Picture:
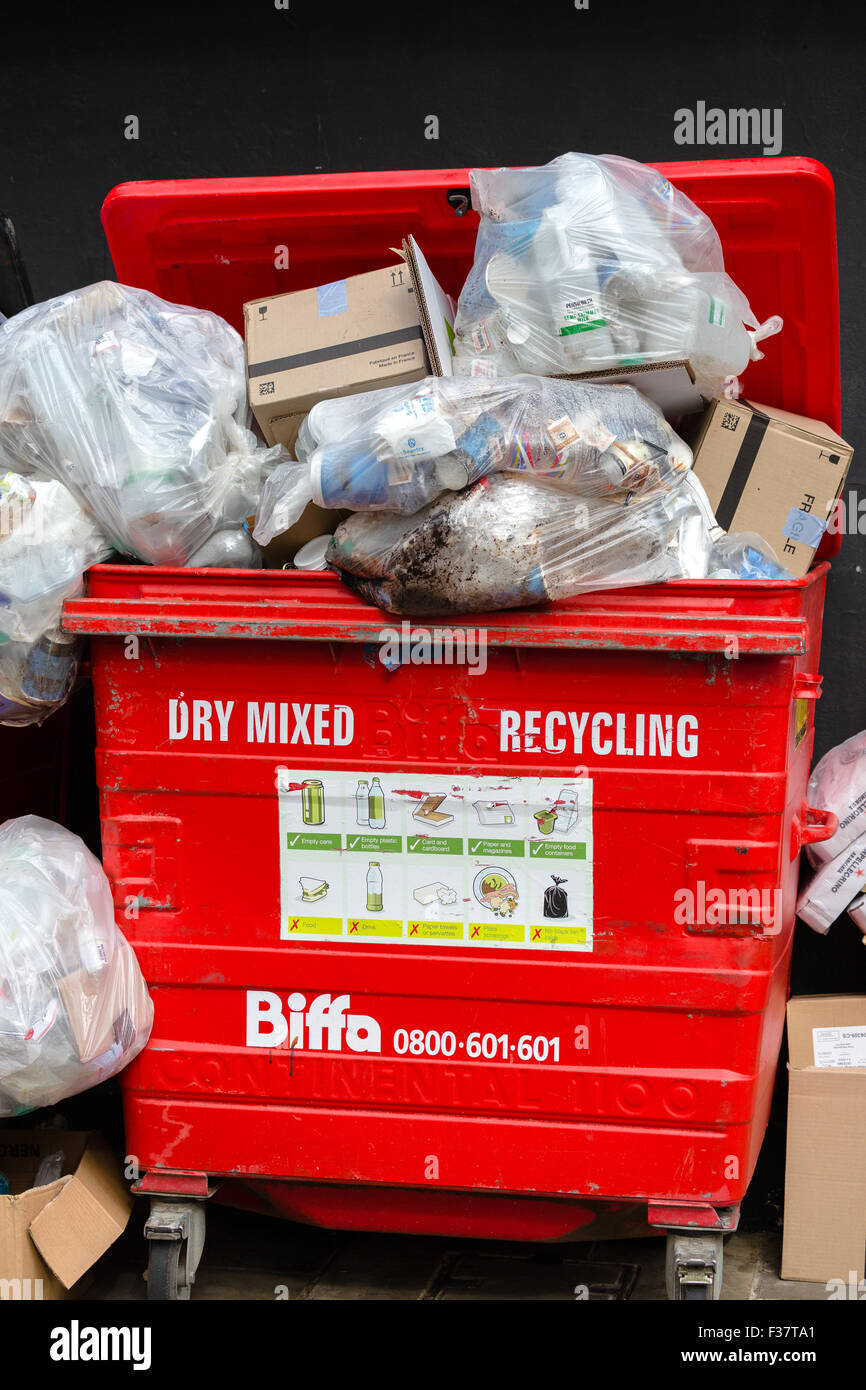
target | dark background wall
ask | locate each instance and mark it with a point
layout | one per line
(249, 89)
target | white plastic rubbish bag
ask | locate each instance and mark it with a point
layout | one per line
(46, 543)
(138, 406)
(590, 262)
(74, 1008)
(400, 448)
(838, 784)
(513, 540)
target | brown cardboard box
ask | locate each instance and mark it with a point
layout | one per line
(50, 1236)
(385, 328)
(669, 385)
(825, 1179)
(777, 474)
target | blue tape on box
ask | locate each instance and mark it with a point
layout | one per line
(804, 527)
(332, 299)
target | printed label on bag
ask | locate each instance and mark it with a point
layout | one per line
(581, 316)
(563, 432)
(424, 860)
(717, 312)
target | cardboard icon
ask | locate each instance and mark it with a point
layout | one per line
(428, 812)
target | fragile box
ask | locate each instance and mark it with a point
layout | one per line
(50, 1236)
(773, 473)
(388, 327)
(825, 1179)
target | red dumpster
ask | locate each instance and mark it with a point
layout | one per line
(442, 948)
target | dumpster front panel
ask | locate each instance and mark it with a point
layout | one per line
(614, 1037)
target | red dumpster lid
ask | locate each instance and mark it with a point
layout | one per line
(217, 243)
(214, 242)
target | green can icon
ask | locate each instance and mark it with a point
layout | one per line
(313, 802)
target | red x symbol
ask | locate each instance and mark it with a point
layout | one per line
(475, 931)
(294, 924)
(413, 931)
(536, 935)
(353, 927)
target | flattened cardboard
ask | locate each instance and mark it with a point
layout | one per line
(773, 473)
(54, 1234)
(435, 309)
(825, 1179)
(669, 385)
(81, 994)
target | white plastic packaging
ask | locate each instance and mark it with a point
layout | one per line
(591, 262)
(139, 407)
(836, 884)
(838, 784)
(46, 543)
(399, 449)
(74, 1008)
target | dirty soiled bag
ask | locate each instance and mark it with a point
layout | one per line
(511, 541)
(400, 448)
(506, 542)
(139, 407)
(47, 541)
(591, 262)
(838, 784)
(74, 1008)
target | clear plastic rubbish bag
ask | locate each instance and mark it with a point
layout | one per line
(74, 1008)
(838, 784)
(138, 406)
(47, 541)
(590, 262)
(400, 448)
(510, 541)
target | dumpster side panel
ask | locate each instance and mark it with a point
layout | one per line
(639, 1069)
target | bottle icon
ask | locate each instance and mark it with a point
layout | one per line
(377, 805)
(362, 802)
(374, 887)
(313, 802)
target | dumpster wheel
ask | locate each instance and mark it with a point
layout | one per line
(693, 1266)
(163, 1263)
(175, 1240)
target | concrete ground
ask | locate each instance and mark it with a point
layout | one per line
(255, 1257)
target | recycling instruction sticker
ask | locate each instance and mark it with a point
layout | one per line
(409, 860)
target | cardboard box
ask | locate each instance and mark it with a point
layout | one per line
(669, 385)
(825, 1180)
(777, 474)
(50, 1236)
(386, 328)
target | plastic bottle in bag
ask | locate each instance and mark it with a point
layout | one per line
(400, 449)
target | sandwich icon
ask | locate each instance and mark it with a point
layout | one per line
(312, 889)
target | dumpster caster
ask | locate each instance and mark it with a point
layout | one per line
(693, 1266)
(175, 1240)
